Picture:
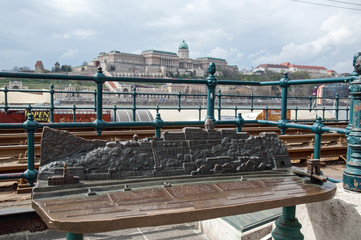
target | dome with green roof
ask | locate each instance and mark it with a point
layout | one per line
(183, 45)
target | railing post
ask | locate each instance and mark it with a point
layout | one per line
(30, 126)
(134, 108)
(95, 100)
(158, 124)
(219, 104)
(115, 112)
(6, 107)
(179, 101)
(239, 122)
(317, 129)
(310, 103)
(252, 101)
(337, 105)
(211, 85)
(99, 78)
(266, 113)
(235, 111)
(287, 225)
(352, 173)
(199, 113)
(347, 114)
(74, 113)
(296, 114)
(29, 110)
(52, 91)
(284, 85)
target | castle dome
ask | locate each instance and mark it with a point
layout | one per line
(183, 45)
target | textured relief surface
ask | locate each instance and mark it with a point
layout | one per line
(193, 151)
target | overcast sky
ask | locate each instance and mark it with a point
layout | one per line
(244, 32)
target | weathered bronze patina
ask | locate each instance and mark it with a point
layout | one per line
(182, 177)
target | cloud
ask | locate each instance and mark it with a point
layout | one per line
(80, 33)
(70, 8)
(245, 33)
(338, 35)
(231, 55)
(69, 54)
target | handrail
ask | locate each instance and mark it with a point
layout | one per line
(30, 125)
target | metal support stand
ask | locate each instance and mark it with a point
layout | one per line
(352, 173)
(74, 236)
(287, 226)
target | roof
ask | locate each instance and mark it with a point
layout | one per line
(38, 63)
(271, 66)
(159, 51)
(211, 58)
(183, 45)
(287, 64)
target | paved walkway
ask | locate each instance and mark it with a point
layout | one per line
(185, 231)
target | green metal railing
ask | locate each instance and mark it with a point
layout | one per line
(211, 83)
(352, 175)
(241, 102)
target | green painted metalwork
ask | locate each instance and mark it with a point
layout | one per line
(99, 123)
(74, 113)
(350, 122)
(211, 82)
(30, 126)
(211, 85)
(6, 107)
(52, 91)
(317, 129)
(158, 124)
(239, 122)
(199, 112)
(287, 226)
(284, 85)
(178, 95)
(337, 106)
(134, 108)
(352, 173)
(74, 236)
(252, 102)
(219, 104)
(115, 113)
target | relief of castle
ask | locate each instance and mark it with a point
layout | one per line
(193, 151)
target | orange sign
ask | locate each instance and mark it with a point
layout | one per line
(273, 115)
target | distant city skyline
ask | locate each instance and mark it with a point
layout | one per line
(246, 33)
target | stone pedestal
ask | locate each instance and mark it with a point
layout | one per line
(338, 218)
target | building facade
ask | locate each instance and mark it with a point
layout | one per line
(314, 71)
(39, 67)
(155, 63)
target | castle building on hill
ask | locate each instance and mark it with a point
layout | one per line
(155, 63)
(314, 71)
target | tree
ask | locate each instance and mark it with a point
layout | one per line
(65, 68)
